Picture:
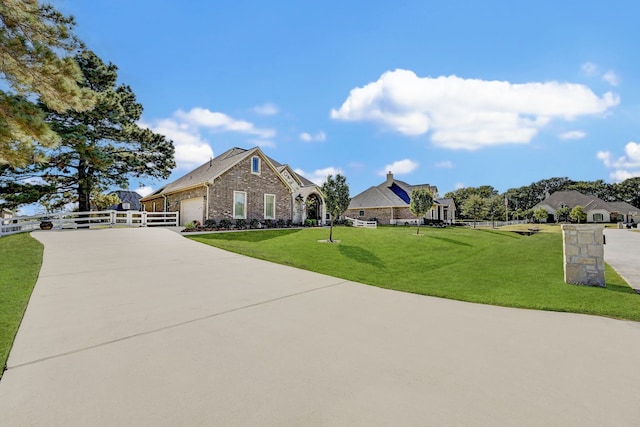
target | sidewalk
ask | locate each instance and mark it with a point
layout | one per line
(142, 327)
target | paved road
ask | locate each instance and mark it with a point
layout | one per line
(622, 252)
(141, 327)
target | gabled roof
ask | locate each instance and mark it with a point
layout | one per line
(390, 193)
(215, 167)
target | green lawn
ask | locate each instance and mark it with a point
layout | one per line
(20, 261)
(485, 266)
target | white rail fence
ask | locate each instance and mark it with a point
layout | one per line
(362, 224)
(93, 219)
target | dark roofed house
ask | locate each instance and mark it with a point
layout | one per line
(240, 184)
(597, 210)
(389, 202)
(129, 201)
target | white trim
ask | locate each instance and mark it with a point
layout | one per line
(265, 206)
(244, 216)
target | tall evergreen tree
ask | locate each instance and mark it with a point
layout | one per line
(35, 44)
(103, 146)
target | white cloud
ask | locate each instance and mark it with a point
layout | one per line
(307, 137)
(267, 109)
(319, 176)
(593, 70)
(144, 191)
(191, 149)
(573, 134)
(611, 77)
(589, 69)
(203, 117)
(399, 167)
(446, 164)
(626, 166)
(186, 128)
(468, 113)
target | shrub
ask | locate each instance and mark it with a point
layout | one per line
(289, 223)
(348, 223)
(254, 223)
(225, 223)
(190, 225)
(268, 223)
(210, 223)
(241, 224)
(280, 223)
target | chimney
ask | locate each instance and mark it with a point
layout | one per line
(389, 179)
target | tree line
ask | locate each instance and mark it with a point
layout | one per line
(68, 128)
(485, 202)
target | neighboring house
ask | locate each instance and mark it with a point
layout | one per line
(240, 184)
(597, 210)
(389, 204)
(129, 201)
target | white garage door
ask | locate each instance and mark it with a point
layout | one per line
(191, 210)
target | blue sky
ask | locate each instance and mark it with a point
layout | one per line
(457, 93)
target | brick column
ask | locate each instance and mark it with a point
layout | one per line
(583, 248)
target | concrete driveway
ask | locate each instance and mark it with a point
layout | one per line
(622, 252)
(142, 327)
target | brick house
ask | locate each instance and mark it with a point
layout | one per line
(239, 184)
(389, 202)
(597, 210)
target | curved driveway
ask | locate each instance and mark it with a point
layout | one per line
(142, 327)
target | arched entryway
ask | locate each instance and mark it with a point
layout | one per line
(314, 207)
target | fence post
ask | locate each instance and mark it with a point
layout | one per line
(60, 215)
(143, 219)
(112, 218)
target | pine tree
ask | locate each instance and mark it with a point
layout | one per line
(103, 146)
(35, 44)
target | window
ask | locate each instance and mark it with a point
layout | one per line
(239, 205)
(269, 206)
(126, 206)
(361, 213)
(255, 165)
(598, 217)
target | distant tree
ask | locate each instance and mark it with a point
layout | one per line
(460, 196)
(563, 213)
(336, 198)
(495, 208)
(475, 207)
(101, 147)
(421, 202)
(578, 214)
(629, 191)
(102, 201)
(35, 43)
(541, 214)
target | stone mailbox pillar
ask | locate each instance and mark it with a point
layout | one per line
(583, 247)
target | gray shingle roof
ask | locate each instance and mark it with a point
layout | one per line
(215, 167)
(383, 195)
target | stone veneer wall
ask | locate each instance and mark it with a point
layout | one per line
(383, 215)
(583, 248)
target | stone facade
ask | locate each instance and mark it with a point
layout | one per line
(382, 215)
(220, 194)
(240, 178)
(583, 248)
